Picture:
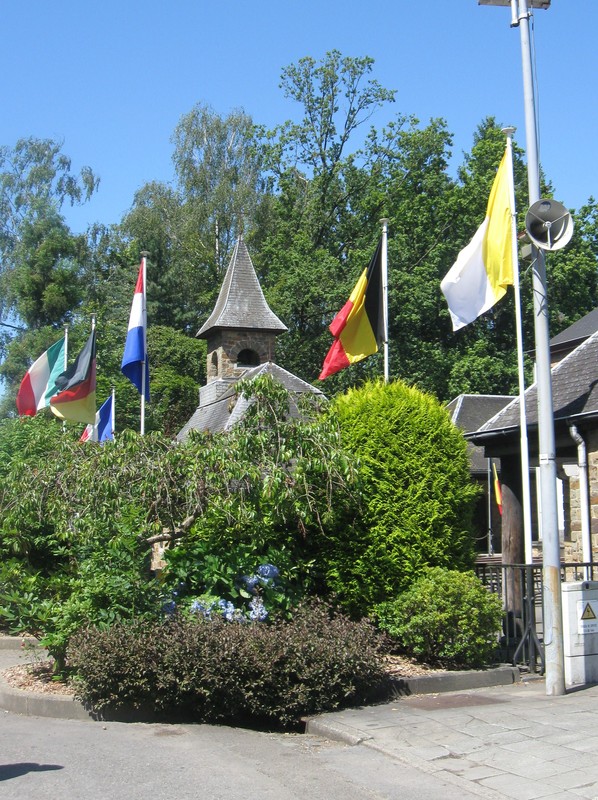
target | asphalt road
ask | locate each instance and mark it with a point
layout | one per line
(80, 760)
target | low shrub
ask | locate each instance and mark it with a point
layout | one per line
(446, 618)
(212, 670)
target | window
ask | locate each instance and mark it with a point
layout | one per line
(248, 358)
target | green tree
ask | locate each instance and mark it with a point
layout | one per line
(416, 493)
(35, 181)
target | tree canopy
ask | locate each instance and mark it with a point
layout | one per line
(308, 196)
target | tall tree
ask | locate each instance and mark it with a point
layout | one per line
(35, 181)
(218, 164)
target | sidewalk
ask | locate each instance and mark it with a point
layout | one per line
(503, 741)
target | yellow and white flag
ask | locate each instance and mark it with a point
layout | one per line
(483, 270)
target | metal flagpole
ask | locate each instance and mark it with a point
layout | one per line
(384, 265)
(530, 636)
(113, 411)
(66, 345)
(525, 485)
(143, 363)
(551, 556)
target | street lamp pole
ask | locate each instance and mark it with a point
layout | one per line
(551, 574)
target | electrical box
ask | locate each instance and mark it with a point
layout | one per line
(580, 632)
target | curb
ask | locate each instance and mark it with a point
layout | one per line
(504, 675)
(16, 642)
(34, 704)
(21, 701)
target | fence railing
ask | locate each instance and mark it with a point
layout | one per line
(520, 586)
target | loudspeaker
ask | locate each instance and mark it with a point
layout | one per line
(549, 225)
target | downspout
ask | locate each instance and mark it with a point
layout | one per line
(584, 498)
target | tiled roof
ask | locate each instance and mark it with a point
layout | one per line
(574, 391)
(580, 330)
(230, 407)
(469, 412)
(241, 303)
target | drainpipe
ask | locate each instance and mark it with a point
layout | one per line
(584, 499)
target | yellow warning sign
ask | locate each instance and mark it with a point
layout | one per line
(588, 612)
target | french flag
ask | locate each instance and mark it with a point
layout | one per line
(135, 355)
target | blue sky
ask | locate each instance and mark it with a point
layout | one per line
(111, 79)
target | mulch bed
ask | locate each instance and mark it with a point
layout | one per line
(39, 676)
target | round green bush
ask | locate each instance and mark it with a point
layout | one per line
(446, 618)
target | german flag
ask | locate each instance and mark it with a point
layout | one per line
(358, 328)
(76, 397)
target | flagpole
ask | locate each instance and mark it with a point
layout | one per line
(113, 411)
(551, 557)
(94, 428)
(384, 265)
(524, 447)
(66, 345)
(144, 255)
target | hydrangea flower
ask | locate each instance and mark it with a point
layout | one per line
(257, 610)
(268, 571)
(250, 581)
(228, 610)
(197, 607)
(169, 607)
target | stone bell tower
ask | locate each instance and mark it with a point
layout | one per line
(241, 336)
(241, 331)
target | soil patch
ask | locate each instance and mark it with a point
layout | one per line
(39, 677)
(36, 678)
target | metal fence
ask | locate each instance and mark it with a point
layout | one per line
(520, 586)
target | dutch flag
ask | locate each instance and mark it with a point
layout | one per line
(135, 355)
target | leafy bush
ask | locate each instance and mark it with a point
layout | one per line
(211, 670)
(75, 519)
(447, 618)
(416, 491)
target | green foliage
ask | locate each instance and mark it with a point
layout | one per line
(417, 495)
(446, 617)
(215, 671)
(78, 517)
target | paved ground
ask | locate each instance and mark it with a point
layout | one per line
(509, 741)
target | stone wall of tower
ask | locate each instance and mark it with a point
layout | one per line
(225, 345)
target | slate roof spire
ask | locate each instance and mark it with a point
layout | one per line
(241, 304)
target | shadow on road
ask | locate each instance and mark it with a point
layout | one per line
(8, 771)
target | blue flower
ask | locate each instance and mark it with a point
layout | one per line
(257, 610)
(169, 607)
(268, 571)
(197, 607)
(250, 581)
(228, 610)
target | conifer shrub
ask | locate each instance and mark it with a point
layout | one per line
(212, 670)
(417, 497)
(446, 618)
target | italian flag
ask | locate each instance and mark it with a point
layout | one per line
(359, 326)
(39, 383)
(75, 399)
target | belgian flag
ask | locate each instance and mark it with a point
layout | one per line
(358, 328)
(76, 397)
(497, 490)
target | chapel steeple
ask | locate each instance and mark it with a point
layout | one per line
(241, 331)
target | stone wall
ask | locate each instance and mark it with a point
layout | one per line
(224, 348)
